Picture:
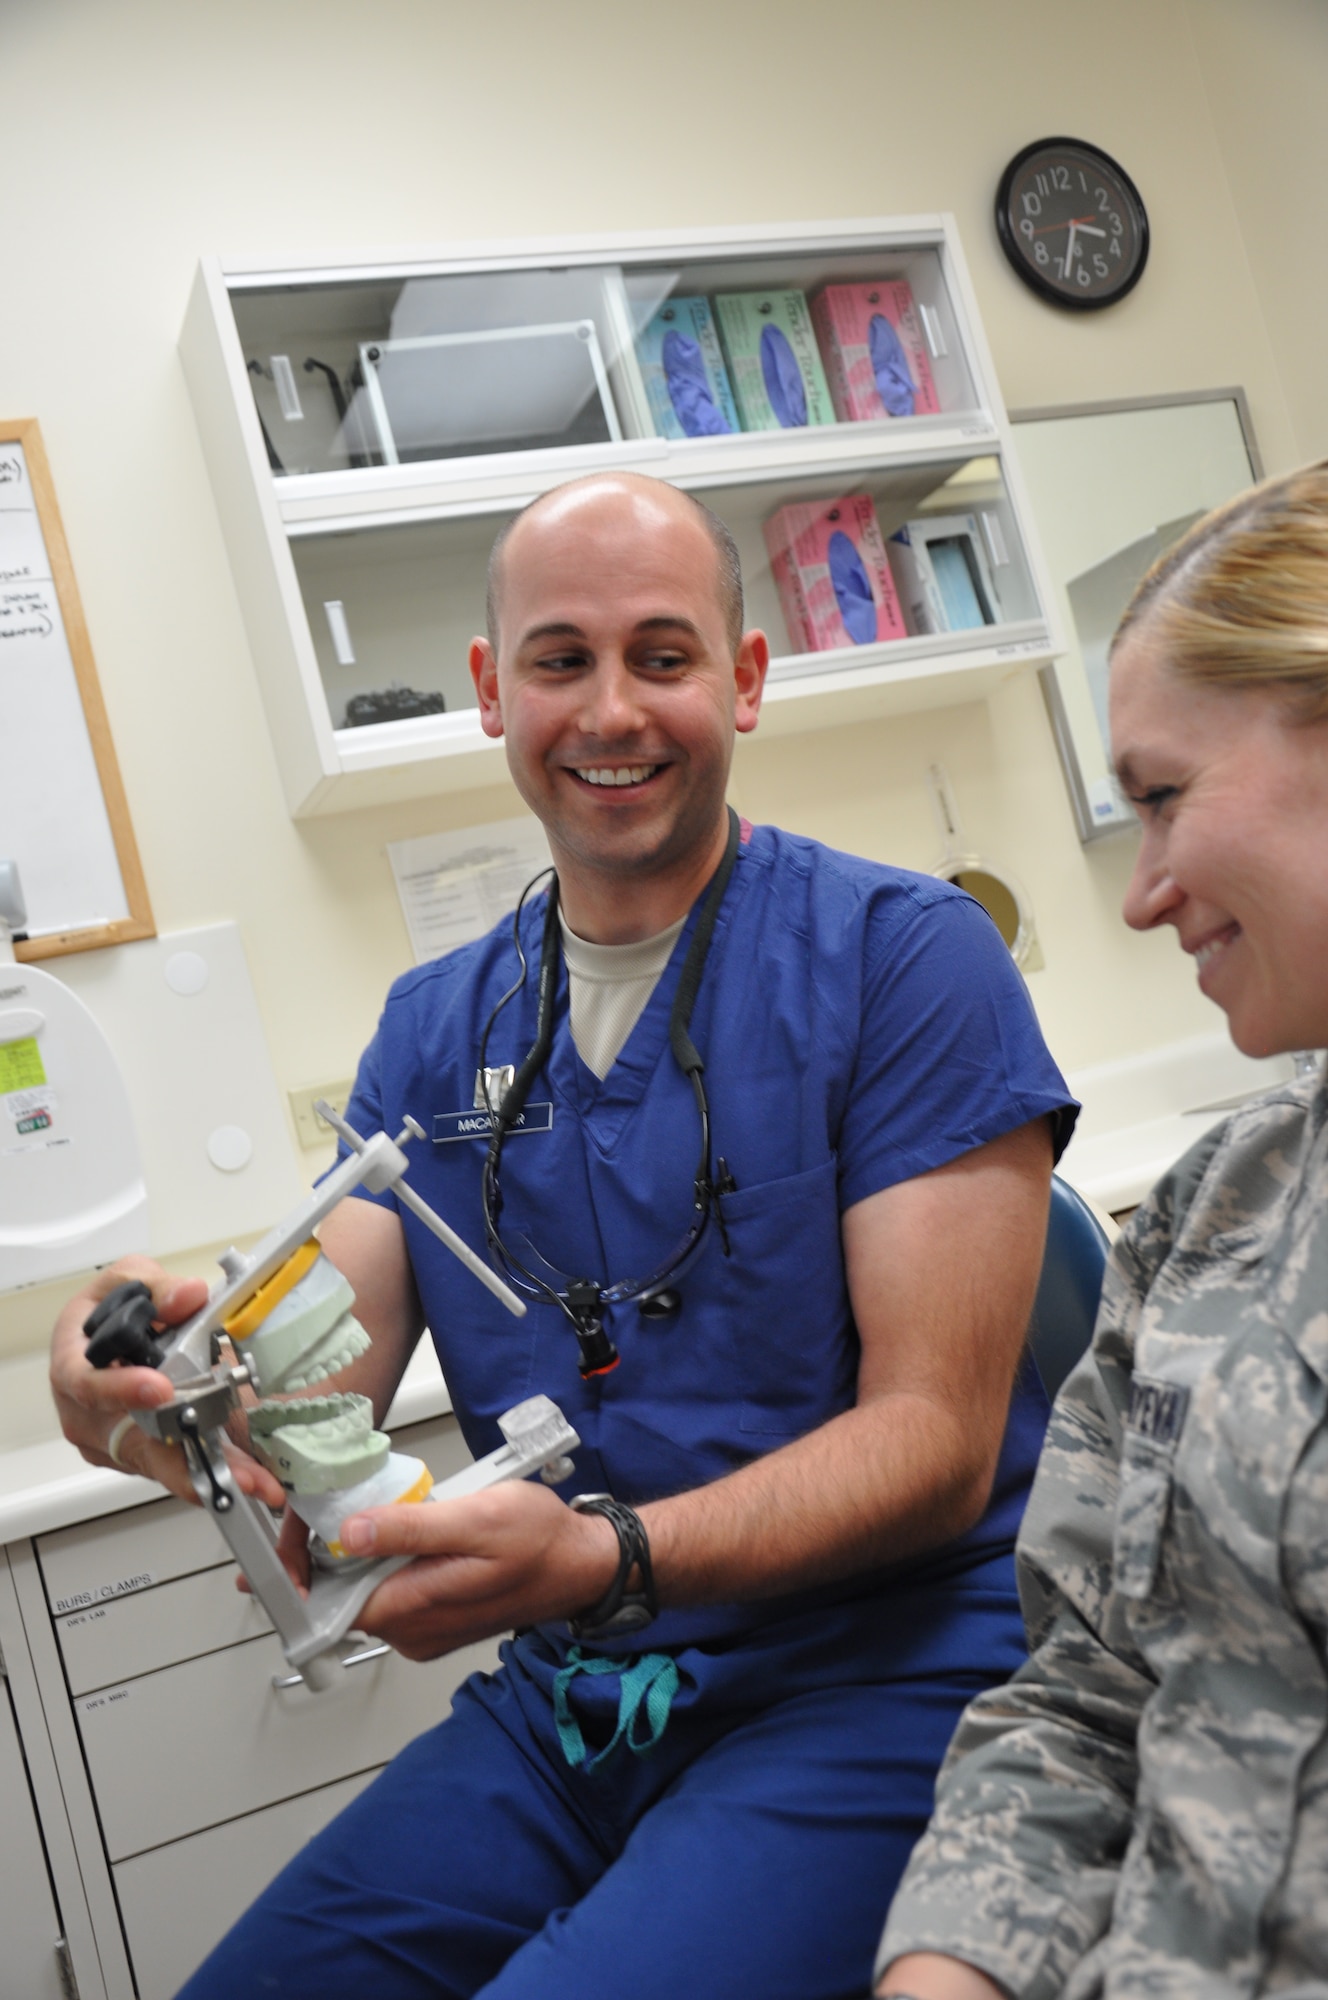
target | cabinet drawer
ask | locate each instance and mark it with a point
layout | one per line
(179, 1901)
(100, 1562)
(173, 1752)
(156, 1628)
(156, 1625)
(97, 1562)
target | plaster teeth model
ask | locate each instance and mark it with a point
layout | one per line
(298, 1329)
(320, 1444)
(333, 1463)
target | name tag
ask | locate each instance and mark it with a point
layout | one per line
(1157, 1411)
(451, 1125)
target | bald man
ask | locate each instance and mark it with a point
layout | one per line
(776, 1189)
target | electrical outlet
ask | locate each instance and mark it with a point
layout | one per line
(313, 1130)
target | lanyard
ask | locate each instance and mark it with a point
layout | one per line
(583, 1300)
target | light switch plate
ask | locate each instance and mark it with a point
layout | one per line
(311, 1128)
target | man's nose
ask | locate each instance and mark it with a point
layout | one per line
(1152, 895)
(611, 709)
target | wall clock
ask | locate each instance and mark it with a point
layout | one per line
(1072, 223)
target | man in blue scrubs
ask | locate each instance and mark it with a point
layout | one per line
(811, 1431)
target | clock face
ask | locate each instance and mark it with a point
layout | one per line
(1072, 223)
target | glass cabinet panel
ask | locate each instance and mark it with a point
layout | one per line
(436, 366)
(834, 570)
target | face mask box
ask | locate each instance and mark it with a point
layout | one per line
(774, 362)
(874, 352)
(830, 567)
(942, 574)
(685, 377)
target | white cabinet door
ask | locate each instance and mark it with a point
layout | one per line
(29, 1921)
(179, 1901)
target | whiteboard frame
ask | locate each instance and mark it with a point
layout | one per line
(26, 431)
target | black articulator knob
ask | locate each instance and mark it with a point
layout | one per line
(120, 1329)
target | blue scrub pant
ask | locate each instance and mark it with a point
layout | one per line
(754, 1849)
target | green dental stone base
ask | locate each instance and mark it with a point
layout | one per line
(319, 1444)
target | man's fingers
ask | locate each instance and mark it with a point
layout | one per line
(113, 1389)
(421, 1529)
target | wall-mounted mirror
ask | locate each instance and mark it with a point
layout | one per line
(1112, 485)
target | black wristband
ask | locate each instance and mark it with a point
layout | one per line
(620, 1609)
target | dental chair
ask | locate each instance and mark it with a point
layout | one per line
(1065, 1308)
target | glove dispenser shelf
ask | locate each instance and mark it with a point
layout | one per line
(368, 429)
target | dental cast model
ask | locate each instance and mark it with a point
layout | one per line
(286, 1312)
(333, 1463)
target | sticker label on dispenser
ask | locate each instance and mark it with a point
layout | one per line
(21, 1066)
(30, 1119)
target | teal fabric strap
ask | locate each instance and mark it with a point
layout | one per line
(646, 1689)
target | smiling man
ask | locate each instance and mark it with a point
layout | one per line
(778, 1201)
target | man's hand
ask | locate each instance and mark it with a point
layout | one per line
(91, 1401)
(513, 1555)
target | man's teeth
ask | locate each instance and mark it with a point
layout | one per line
(622, 774)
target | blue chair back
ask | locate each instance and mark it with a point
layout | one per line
(1068, 1290)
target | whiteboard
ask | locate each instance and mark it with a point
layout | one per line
(63, 815)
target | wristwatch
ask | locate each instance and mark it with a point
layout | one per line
(620, 1610)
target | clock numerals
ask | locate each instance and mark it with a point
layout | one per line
(1072, 223)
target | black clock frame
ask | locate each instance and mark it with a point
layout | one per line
(1009, 239)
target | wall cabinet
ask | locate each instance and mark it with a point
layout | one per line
(172, 1774)
(368, 429)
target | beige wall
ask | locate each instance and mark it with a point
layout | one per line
(1264, 64)
(139, 133)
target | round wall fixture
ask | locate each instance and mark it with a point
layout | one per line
(186, 972)
(1000, 896)
(230, 1148)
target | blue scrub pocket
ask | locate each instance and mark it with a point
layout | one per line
(894, 384)
(689, 387)
(783, 378)
(853, 593)
(784, 1303)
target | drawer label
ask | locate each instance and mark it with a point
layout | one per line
(83, 1618)
(83, 1599)
(106, 1699)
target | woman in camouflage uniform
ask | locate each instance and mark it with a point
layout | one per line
(1144, 1809)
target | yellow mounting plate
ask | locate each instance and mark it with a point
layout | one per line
(255, 1310)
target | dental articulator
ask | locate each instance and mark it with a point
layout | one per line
(286, 1313)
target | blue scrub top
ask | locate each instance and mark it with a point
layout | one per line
(859, 1025)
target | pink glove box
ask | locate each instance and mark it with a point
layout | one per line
(875, 358)
(834, 581)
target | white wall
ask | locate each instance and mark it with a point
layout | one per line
(140, 133)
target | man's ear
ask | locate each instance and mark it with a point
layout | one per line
(749, 670)
(484, 673)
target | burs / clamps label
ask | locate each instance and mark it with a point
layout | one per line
(123, 1586)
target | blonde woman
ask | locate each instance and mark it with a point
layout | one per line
(1144, 1809)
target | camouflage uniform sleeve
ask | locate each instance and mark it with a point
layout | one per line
(1035, 1801)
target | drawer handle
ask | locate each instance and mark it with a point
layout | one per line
(352, 1660)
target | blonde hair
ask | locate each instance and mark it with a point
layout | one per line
(1241, 601)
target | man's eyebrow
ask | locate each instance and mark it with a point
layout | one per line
(1126, 777)
(674, 623)
(551, 631)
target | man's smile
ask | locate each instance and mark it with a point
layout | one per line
(615, 774)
